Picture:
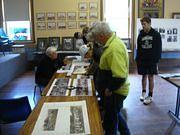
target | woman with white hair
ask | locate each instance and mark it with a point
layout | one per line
(113, 76)
(47, 67)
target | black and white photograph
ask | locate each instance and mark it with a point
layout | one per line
(93, 15)
(162, 30)
(83, 15)
(77, 44)
(93, 6)
(83, 24)
(51, 25)
(67, 43)
(61, 15)
(41, 25)
(42, 44)
(51, 16)
(40, 16)
(54, 41)
(61, 25)
(175, 31)
(71, 25)
(83, 6)
(71, 15)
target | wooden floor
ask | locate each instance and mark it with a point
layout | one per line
(142, 120)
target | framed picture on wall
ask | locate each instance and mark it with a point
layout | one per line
(40, 16)
(93, 6)
(51, 25)
(61, 25)
(41, 25)
(151, 8)
(93, 15)
(72, 25)
(61, 15)
(82, 6)
(176, 15)
(71, 15)
(126, 42)
(83, 15)
(42, 44)
(51, 16)
(67, 43)
(82, 24)
(54, 41)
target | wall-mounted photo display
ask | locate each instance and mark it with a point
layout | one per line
(54, 41)
(41, 25)
(72, 25)
(61, 15)
(83, 6)
(51, 16)
(83, 24)
(126, 42)
(83, 15)
(67, 43)
(176, 15)
(71, 15)
(51, 25)
(93, 15)
(61, 25)
(40, 16)
(93, 6)
(42, 44)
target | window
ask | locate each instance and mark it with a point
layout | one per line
(17, 20)
(117, 14)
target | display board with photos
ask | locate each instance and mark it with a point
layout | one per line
(170, 33)
(42, 44)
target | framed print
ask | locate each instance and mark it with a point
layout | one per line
(61, 25)
(51, 16)
(67, 43)
(51, 25)
(54, 41)
(78, 43)
(83, 15)
(72, 25)
(61, 15)
(126, 42)
(176, 15)
(71, 15)
(83, 24)
(40, 16)
(42, 44)
(41, 25)
(82, 6)
(93, 15)
(151, 8)
(93, 6)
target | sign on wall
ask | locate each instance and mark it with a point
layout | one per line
(169, 30)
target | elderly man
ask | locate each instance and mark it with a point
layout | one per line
(113, 76)
(47, 67)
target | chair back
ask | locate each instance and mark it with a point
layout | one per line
(14, 110)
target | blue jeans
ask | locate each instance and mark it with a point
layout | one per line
(113, 119)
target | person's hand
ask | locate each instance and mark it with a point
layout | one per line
(107, 92)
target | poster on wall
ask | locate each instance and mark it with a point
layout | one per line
(170, 33)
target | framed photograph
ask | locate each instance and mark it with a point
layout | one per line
(78, 43)
(152, 8)
(54, 41)
(61, 15)
(71, 15)
(127, 42)
(41, 25)
(72, 25)
(83, 15)
(67, 43)
(51, 16)
(93, 15)
(51, 25)
(176, 15)
(61, 25)
(42, 44)
(83, 24)
(93, 6)
(40, 16)
(82, 6)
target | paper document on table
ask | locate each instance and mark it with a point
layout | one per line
(63, 118)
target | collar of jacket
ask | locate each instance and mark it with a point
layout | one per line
(110, 40)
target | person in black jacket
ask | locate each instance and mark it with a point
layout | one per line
(149, 48)
(47, 67)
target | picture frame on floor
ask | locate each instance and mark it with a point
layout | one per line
(42, 44)
(54, 41)
(67, 43)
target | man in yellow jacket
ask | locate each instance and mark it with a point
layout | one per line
(113, 76)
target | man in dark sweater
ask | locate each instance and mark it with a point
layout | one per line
(149, 48)
(47, 67)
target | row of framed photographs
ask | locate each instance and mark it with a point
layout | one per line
(68, 43)
(62, 25)
(51, 16)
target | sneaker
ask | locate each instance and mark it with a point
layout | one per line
(142, 97)
(147, 100)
